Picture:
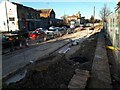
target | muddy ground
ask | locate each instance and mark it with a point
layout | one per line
(55, 71)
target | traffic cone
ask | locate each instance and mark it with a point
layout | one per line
(27, 45)
(45, 39)
(21, 45)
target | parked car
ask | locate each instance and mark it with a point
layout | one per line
(42, 29)
(61, 31)
(49, 34)
(83, 28)
(57, 31)
(54, 31)
(70, 30)
(37, 34)
(64, 30)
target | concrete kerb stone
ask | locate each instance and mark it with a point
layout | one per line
(100, 74)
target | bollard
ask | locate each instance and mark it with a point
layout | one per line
(27, 45)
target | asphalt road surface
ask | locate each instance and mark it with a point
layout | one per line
(17, 60)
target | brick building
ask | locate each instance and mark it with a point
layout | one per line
(31, 19)
(47, 13)
(73, 18)
(50, 15)
(19, 17)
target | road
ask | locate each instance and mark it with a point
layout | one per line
(17, 60)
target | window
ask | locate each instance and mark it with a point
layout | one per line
(11, 19)
(4, 23)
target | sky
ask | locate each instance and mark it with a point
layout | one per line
(70, 7)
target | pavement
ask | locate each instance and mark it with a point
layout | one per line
(100, 74)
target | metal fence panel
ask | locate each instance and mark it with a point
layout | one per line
(113, 31)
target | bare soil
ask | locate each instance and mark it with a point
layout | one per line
(55, 71)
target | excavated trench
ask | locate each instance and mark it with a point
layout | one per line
(115, 75)
(56, 71)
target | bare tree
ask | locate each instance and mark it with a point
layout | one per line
(104, 13)
(92, 19)
(64, 17)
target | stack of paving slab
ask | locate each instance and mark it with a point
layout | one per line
(79, 80)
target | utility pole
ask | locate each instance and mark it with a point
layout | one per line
(94, 16)
(47, 15)
(64, 17)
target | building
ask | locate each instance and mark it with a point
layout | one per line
(71, 18)
(56, 22)
(28, 18)
(82, 20)
(8, 18)
(18, 17)
(47, 13)
(75, 17)
(50, 15)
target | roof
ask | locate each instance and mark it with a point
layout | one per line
(17, 3)
(21, 5)
(45, 10)
(118, 6)
(71, 16)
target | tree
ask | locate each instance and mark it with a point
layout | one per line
(64, 17)
(104, 12)
(92, 19)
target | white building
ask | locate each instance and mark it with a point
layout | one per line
(8, 17)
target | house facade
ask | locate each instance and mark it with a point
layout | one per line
(8, 18)
(31, 19)
(75, 17)
(18, 17)
(56, 22)
(50, 15)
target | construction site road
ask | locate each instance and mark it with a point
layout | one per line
(17, 60)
